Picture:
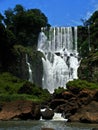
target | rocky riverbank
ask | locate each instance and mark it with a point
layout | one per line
(19, 110)
(76, 104)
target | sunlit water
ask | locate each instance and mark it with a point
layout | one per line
(61, 61)
(38, 125)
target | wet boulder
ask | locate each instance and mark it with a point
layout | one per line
(47, 114)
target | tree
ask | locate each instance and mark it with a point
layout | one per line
(8, 19)
(1, 18)
(89, 38)
(25, 24)
(7, 40)
(93, 18)
(18, 26)
(18, 9)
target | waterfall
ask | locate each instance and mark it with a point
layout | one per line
(29, 68)
(61, 56)
(89, 47)
(75, 34)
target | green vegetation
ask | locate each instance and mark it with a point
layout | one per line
(88, 35)
(82, 84)
(88, 49)
(9, 84)
(19, 26)
(25, 24)
(59, 90)
(92, 57)
(88, 69)
(19, 30)
(13, 88)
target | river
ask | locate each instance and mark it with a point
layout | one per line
(38, 125)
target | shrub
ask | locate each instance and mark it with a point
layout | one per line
(59, 90)
(82, 84)
(9, 84)
(13, 88)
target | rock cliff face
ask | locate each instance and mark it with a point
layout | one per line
(19, 67)
(77, 107)
(37, 67)
(88, 69)
(17, 110)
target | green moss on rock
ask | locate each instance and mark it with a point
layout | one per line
(88, 69)
(81, 84)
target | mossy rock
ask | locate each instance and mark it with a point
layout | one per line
(77, 85)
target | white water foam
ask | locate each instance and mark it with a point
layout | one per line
(61, 56)
(29, 69)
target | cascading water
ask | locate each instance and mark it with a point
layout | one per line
(29, 68)
(61, 56)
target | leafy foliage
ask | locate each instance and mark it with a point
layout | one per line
(21, 27)
(13, 88)
(59, 90)
(7, 41)
(88, 35)
(82, 84)
(25, 24)
(92, 19)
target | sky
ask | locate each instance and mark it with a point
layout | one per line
(58, 12)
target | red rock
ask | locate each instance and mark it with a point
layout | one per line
(86, 114)
(47, 129)
(56, 102)
(20, 110)
(67, 95)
